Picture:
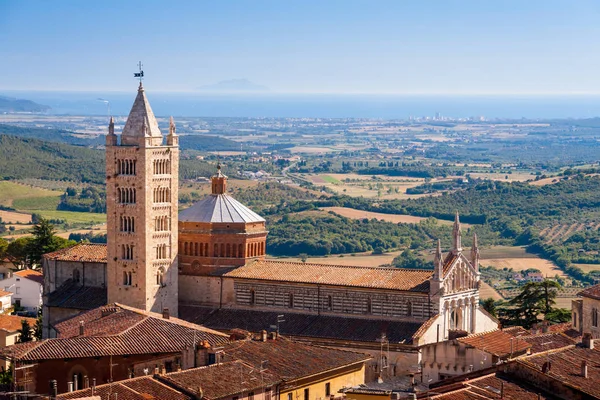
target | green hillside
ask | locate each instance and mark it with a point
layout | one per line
(32, 158)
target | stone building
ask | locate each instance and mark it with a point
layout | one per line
(585, 312)
(208, 266)
(141, 208)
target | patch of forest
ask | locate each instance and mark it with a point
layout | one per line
(22, 158)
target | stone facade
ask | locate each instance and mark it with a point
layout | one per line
(142, 198)
(585, 312)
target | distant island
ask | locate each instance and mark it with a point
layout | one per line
(234, 85)
(13, 105)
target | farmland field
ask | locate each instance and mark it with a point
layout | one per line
(15, 217)
(73, 217)
(10, 191)
(395, 218)
(588, 267)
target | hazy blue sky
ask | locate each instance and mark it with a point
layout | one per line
(416, 46)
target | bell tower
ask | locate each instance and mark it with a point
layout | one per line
(142, 197)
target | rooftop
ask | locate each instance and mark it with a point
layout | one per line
(143, 388)
(497, 343)
(82, 252)
(304, 325)
(141, 121)
(219, 208)
(489, 386)
(5, 293)
(566, 367)
(12, 323)
(548, 341)
(31, 274)
(592, 292)
(116, 330)
(413, 280)
(73, 295)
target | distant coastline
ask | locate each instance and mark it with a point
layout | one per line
(275, 105)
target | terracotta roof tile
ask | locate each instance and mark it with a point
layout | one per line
(566, 367)
(548, 341)
(303, 325)
(117, 330)
(12, 323)
(487, 387)
(289, 360)
(592, 292)
(497, 343)
(5, 293)
(73, 295)
(143, 388)
(82, 252)
(381, 278)
(31, 274)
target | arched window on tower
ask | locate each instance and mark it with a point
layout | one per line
(241, 250)
(76, 275)
(409, 309)
(127, 278)
(329, 302)
(290, 300)
(252, 297)
(369, 306)
(216, 250)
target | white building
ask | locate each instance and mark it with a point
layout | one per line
(26, 288)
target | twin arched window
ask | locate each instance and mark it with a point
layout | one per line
(127, 278)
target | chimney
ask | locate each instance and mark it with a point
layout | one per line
(166, 314)
(412, 379)
(584, 369)
(545, 327)
(546, 367)
(53, 389)
(156, 370)
(75, 383)
(93, 383)
(587, 341)
(263, 335)
(81, 328)
(86, 382)
(70, 386)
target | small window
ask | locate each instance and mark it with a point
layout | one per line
(290, 397)
(290, 300)
(268, 393)
(594, 316)
(328, 389)
(250, 395)
(330, 302)
(409, 309)
(235, 398)
(252, 297)
(18, 291)
(306, 394)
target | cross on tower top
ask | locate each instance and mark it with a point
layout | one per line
(139, 74)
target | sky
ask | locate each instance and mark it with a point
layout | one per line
(325, 46)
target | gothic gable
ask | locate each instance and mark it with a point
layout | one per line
(459, 274)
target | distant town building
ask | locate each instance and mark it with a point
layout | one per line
(26, 287)
(585, 312)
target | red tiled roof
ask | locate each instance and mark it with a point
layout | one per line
(12, 323)
(82, 252)
(5, 293)
(380, 278)
(566, 367)
(547, 341)
(303, 325)
(487, 387)
(497, 343)
(221, 380)
(143, 388)
(31, 274)
(74, 295)
(592, 292)
(117, 330)
(290, 360)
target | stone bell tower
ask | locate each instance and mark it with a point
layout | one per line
(141, 201)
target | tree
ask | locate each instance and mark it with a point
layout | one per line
(558, 315)
(25, 334)
(17, 250)
(535, 298)
(3, 248)
(489, 305)
(303, 257)
(550, 290)
(37, 329)
(44, 241)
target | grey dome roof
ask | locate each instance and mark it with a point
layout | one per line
(217, 208)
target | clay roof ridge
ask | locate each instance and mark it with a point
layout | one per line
(172, 320)
(277, 260)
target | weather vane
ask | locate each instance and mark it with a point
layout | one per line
(139, 74)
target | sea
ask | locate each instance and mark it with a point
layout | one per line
(272, 105)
